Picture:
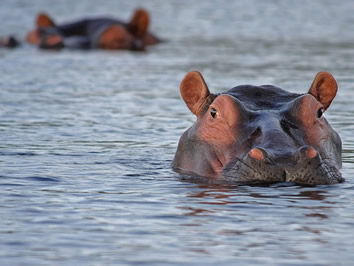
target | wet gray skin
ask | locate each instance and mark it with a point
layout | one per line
(260, 134)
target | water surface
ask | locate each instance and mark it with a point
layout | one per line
(86, 139)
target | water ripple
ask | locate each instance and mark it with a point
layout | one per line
(87, 139)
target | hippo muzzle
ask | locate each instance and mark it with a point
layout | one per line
(260, 134)
(305, 167)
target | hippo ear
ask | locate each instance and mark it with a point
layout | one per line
(139, 23)
(43, 20)
(194, 92)
(324, 88)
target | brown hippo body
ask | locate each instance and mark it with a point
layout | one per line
(260, 133)
(94, 33)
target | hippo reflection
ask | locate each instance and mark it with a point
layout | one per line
(260, 133)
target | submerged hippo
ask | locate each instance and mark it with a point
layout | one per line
(9, 41)
(91, 33)
(260, 133)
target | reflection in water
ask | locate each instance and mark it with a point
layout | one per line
(313, 195)
(243, 213)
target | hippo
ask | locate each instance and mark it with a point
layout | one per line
(9, 41)
(92, 33)
(260, 134)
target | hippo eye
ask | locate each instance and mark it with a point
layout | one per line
(320, 112)
(213, 112)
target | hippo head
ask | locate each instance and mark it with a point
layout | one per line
(260, 133)
(129, 36)
(42, 21)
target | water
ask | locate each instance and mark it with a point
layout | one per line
(86, 139)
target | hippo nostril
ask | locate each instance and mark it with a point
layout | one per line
(306, 153)
(256, 154)
(259, 154)
(311, 153)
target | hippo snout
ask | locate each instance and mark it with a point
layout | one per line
(305, 166)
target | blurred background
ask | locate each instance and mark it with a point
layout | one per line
(87, 138)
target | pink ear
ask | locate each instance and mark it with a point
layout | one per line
(324, 88)
(194, 92)
(139, 23)
(43, 20)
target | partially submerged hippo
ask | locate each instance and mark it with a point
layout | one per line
(9, 41)
(91, 33)
(260, 133)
